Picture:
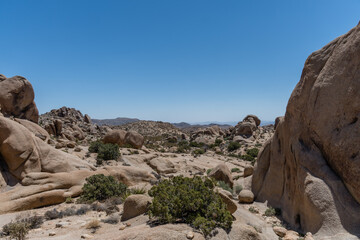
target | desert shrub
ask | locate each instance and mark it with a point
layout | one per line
(69, 212)
(82, 210)
(100, 187)
(198, 151)
(94, 146)
(233, 146)
(195, 144)
(253, 210)
(235, 170)
(237, 189)
(33, 222)
(258, 145)
(218, 142)
(16, 230)
(53, 214)
(113, 219)
(247, 157)
(183, 146)
(137, 190)
(270, 212)
(108, 151)
(224, 186)
(69, 200)
(208, 171)
(252, 152)
(93, 225)
(189, 200)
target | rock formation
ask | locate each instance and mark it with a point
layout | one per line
(34, 174)
(70, 124)
(122, 138)
(311, 167)
(17, 98)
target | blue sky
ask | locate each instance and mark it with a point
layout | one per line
(185, 60)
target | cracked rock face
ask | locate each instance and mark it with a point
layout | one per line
(311, 166)
(17, 98)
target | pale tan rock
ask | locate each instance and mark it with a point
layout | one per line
(231, 206)
(222, 173)
(190, 235)
(291, 235)
(134, 139)
(34, 128)
(246, 196)
(87, 236)
(280, 231)
(17, 98)
(308, 236)
(52, 234)
(162, 165)
(311, 167)
(243, 232)
(135, 205)
(115, 137)
(248, 170)
(252, 118)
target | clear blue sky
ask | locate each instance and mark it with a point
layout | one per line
(184, 60)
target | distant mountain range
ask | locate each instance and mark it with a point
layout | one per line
(115, 121)
(182, 125)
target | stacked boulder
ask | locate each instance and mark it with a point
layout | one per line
(70, 124)
(208, 135)
(124, 138)
(17, 98)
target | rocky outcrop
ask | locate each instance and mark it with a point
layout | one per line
(71, 124)
(122, 138)
(17, 98)
(311, 167)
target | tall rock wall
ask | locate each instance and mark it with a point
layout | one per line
(311, 167)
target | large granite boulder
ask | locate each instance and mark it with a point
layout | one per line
(311, 167)
(17, 98)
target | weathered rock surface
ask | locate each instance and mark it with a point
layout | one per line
(70, 124)
(135, 205)
(17, 98)
(121, 138)
(222, 173)
(246, 196)
(311, 167)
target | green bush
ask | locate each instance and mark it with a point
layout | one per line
(183, 146)
(218, 142)
(108, 151)
(253, 152)
(105, 151)
(16, 230)
(237, 189)
(233, 146)
(270, 212)
(189, 200)
(247, 157)
(198, 151)
(224, 186)
(195, 144)
(235, 170)
(208, 171)
(94, 146)
(99, 187)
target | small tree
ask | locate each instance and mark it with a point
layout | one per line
(100, 187)
(189, 200)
